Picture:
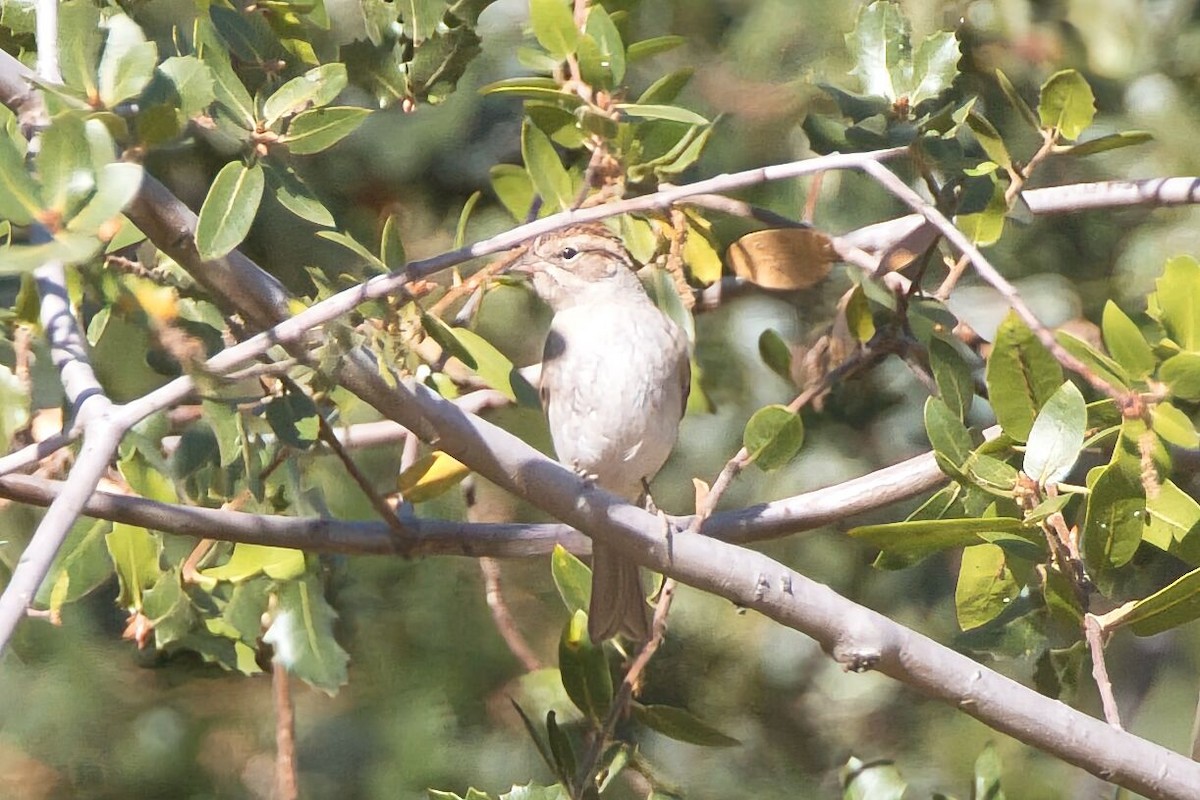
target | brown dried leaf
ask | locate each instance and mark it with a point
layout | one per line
(783, 258)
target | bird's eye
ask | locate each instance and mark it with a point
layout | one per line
(569, 253)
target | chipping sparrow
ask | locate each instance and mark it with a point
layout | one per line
(615, 377)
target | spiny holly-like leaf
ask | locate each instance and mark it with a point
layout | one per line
(1176, 301)
(302, 636)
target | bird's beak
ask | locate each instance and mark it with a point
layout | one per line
(524, 264)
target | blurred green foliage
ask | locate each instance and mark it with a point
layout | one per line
(429, 679)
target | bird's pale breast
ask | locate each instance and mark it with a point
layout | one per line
(619, 418)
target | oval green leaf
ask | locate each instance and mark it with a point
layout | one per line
(773, 436)
(321, 128)
(1067, 104)
(1056, 436)
(229, 210)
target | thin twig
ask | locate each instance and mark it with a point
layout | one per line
(1095, 639)
(589, 766)
(991, 275)
(1018, 178)
(503, 618)
(286, 785)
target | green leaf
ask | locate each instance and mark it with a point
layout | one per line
(601, 51)
(1112, 141)
(1114, 520)
(1173, 426)
(934, 67)
(294, 195)
(496, 370)
(82, 565)
(681, 725)
(554, 27)
(302, 635)
(919, 538)
(544, 89)
(667, 88)
(952, 375)
(1021, 377)
(351, 244)
(775, 353)
(1176, 301)
(987, 775)
(514, 188)
(116, 186)
(948, 436)
(251, 560)
(1175, 604)
(1181, 374)
(985, 586)
(1017, 102)
(584, 669)
(1056, 438)
(134, 552)
(773, 436)
(560, 748)
(20, 197)
(318, 87)
(128, 61)
(648, 48)
(669, 113)
(391, 246)
(321, 128)
(294, 418)
(191, 82)
(989, 139)
(1174, 515)
(229, 210)
(1067, 104)
(991, 474)
(1125, 342)
(877, 44)
(231, 94)
(550, 178)
(460, 230)
(63, 165)
(79, 37)
(875, 780)
(986, 226)
(573, 579)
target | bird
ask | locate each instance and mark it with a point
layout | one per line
(614, 384)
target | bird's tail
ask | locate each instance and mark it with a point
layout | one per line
(618, 604)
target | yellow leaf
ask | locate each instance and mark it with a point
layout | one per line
(430, 476)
